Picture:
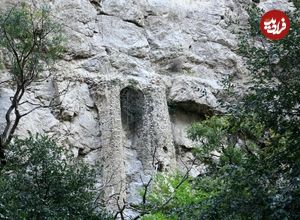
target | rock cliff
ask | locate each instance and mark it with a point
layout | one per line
(137, 73)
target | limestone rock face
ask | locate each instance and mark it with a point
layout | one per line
(137, 73)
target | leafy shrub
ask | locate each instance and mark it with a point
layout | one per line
(40, 181)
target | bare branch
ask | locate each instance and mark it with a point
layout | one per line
(146, 189)
(5, 81)
(121, 209)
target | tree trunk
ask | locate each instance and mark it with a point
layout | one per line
(2, 156)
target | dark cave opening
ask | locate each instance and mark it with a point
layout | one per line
(132, 110)
(183, 115)
(188, 107)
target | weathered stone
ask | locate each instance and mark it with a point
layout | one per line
(273, 4)
(168, 56)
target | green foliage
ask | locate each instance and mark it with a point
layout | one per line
(40, 181)
(156, 216)
(255, 152)
(31, 39)
(252, 154)
(176, 196)
(164, 188)
(296, 3)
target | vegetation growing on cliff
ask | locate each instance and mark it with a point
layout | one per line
(251, 154)
(41, 181)
(38, 179)
(31, 41)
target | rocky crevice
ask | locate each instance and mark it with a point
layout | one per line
(97, 5)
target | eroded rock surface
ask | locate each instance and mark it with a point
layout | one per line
(138, 72)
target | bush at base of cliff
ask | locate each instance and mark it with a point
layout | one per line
(252, 152)
(40, 182)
